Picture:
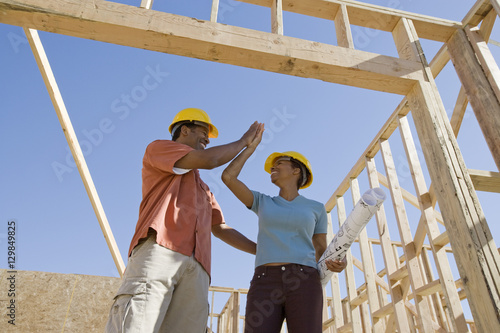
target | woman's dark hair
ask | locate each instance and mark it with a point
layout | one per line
(177, 132)
(299, 165)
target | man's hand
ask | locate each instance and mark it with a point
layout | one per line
(249, 135)
(336, 266)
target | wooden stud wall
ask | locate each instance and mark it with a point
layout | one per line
(404, 295)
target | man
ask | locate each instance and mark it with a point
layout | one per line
(165, 285)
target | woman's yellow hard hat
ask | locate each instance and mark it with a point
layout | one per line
(194, 115)
(296, 156)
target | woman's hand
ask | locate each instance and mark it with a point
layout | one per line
(336, 266)
(258, 136)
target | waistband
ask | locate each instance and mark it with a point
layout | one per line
(282, 268)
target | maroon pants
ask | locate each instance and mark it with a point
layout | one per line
(292, 292)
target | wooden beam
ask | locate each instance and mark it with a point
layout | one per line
(384, 311)
(487, 25)
(71, 138)
(459, 111)
(343, 28)
(485, 58)
(441, 239)
(427, 208)
(337, 312)
(397, 290)
(147, 4)
(355, 313)
(400, 274)
(477, 12)
(368, 267)
(488, 181)
(368, 15)
(479, 90)
(277, 17)
(496, 5)
(439, 309)
(162, 32)
(468, 231)
(235, 312)
(214, 11)
(410, 198)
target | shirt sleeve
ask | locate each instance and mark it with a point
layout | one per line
(322, 221)
(217, 216)
(256, 201)
(163, 154)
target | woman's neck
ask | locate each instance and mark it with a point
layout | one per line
(289, 193)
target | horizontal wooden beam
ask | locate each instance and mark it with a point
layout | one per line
(398, 275)
(430, 288)
(488, 181)
(384, 311)
(163, 32)
(370, 16)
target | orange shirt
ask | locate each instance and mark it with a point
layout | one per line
(180, 208)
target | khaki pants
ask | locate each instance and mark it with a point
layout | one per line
(162, 291)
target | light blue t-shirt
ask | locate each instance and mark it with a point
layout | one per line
(286, 229)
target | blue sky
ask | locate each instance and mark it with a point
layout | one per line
(120, 99)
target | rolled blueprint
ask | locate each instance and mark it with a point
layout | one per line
(359, 217)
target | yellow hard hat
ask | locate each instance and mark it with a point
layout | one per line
(194, 114)
(296, 156)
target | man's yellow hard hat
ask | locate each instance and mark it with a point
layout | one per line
(194, 115)
(296, 156)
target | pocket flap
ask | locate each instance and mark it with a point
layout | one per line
(132, 287)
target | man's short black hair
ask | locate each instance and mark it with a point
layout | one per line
(177, 132)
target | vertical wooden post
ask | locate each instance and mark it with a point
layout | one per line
(426, 206)
(436, 297)
(368, 267)
(467, 229)
(277, 17)
(343, 28)
(478, 88)
(212, 309)
(147, 4)
(215, 11)
(397, 295)
(412, 263)
(349, 275)
(335, 286)
(475, 251)
(235, 312)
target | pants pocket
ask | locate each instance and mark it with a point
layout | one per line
(127, 311)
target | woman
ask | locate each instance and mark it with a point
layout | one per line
(291, 239)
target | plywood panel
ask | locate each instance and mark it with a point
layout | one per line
(52, 302)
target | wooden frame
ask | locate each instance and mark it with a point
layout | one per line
(418, 300)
